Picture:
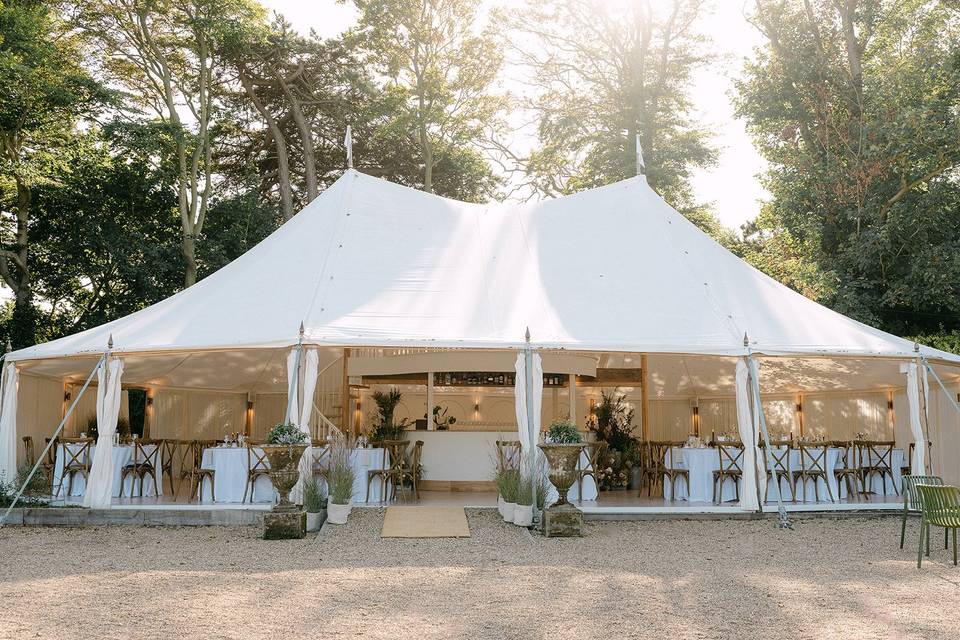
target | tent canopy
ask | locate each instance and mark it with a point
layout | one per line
(371, 263)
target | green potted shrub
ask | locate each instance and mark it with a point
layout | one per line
(523, 511)
(284, 447)
(562, 447)
(315, 504)
(340, 478)
(384, 426)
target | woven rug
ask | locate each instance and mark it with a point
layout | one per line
(425, 522)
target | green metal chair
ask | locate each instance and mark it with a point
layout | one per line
(911, 499)
(940, 507)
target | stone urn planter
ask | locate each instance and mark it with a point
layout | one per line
(562, 519)
(562, 459)
(286, 521)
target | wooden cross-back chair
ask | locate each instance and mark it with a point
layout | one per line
(257, 466)
(778, 453)
(145, 463)
(412, 472)
(76, 461)
(595, 454)
(731, 468)
(508, 454)
(876, 459)
(847, 469)
(29, 455)
(813, 466)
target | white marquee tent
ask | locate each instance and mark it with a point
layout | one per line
(374, 264)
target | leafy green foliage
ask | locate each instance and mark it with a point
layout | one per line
(314, 496)
(286, 433)
(855, 107)
(563, 432)
(384, 425)
(340, 473)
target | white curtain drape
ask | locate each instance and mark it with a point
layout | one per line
(8, 422)
(293, 383)
(520, 402)
(100, 484)
(529, 433)
(747, 424)
(916, 425)
(310, 365)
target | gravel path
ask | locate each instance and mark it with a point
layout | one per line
(831, 578)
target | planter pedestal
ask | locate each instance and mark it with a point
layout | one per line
(563, 521)
(284, 525)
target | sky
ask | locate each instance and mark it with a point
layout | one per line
(732, 186)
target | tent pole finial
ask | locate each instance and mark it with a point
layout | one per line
(110, 343)
(916, 347)
(746, 340)
(528, 335)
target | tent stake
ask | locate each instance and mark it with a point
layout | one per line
(56, 434)
(784, 522)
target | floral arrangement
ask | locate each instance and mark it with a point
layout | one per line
(612, 475)
(563, 432)
(286, 433)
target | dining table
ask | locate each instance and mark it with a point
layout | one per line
(230, 464)
(701, 462)
(122, 455)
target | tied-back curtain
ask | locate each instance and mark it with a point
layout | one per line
(293, 383)
(528, 432)
(10, 383)
(520, 402)
(310, 366)
(746, 422)
(100, 484)
(916, 425)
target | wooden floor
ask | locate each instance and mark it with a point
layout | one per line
(608, 503)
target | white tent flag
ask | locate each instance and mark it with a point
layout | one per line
(100, 483)
(311, 364)
(916, 426)
(8, 423)
(747, 421)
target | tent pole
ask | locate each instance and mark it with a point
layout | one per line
(644, 398)
(53, 439)
(293, 386)
(784, 522)
(946, 391)
(345, 425)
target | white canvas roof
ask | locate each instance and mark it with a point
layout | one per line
(371, 263)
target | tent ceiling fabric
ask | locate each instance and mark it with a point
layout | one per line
(371, 263)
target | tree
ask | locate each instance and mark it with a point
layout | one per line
(603, 72)
(440, 68)
(856, 106)
(43, 91)
(170, 55)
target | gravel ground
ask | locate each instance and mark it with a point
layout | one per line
(830, 578)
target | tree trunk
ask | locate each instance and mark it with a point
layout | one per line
(188, 248)
(23, 331)
(306, 138)
(283, 161)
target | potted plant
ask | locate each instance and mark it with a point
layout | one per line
(340, 478)
(508, 483)
(315, 504)
(523, 511)
(562, 450)
(384, 427)
(284, 447)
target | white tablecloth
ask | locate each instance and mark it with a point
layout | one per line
(230, 476)
(122, 455)
(700, 463)
(365, 460)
